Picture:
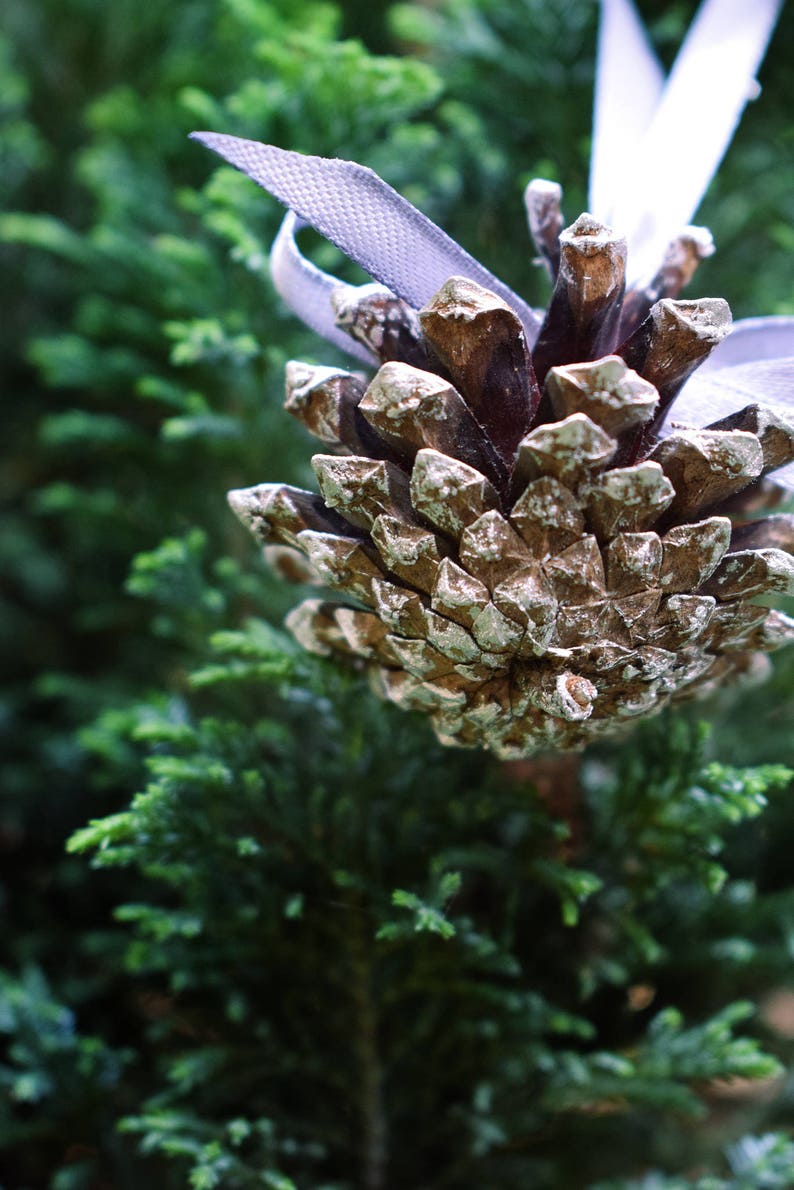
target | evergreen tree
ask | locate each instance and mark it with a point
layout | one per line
(370, 962)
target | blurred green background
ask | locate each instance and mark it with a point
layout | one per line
(142, 357)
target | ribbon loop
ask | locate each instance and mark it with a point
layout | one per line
(307, 290)
(659, 186)
(629, 85)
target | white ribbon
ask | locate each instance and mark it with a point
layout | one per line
(754, 365)
(366, 218)
(655, 151)
(629, 85)
(768, 338)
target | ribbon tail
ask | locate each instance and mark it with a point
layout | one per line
(705, 399)
(365, 218)
(709, 85)
(727, 390)
(753, 365)
(306, 290)
(752, 339)
(629, 84)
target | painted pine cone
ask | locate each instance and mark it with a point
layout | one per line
(522, 557)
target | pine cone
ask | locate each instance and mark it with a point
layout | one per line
(521, 556)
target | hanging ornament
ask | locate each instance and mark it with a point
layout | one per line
(520, 540)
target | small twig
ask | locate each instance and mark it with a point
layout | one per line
(373, 1120)
(556, 778)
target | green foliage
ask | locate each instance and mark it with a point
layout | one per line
(659, 825)
(55, 1081)
(315, 946)
(429, 916)
(383, 923)
(669, 1057)
(756, 1163)
(24, 149)
(244, 1157)
(48, 1059)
